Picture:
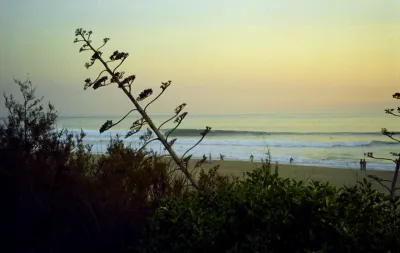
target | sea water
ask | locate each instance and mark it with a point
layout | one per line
(331, 139)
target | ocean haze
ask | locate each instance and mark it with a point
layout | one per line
(336, 139)
(282, 122)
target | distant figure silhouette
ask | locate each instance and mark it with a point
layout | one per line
(291, 160)
(251, 158)
(221, 156)
(361, 164)
(364, 165)
(209, 156)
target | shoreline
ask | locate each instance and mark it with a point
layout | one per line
(307, 165)
(298, 164)
(335, 176)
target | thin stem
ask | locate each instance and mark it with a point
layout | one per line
(147, 142)
(397, 115)
(101, 46)
(381, 158)
(391, 137)
(122, 61)
(385, 180)
(379, 181)
(97, 78)
(173, 129)
(153, 100)
(25, 122)
(126, 115)
(168, 120)
(392, 190)
(193, 146)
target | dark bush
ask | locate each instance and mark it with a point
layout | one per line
(59, 198)
(265, 213)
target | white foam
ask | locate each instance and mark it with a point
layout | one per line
(240, 149)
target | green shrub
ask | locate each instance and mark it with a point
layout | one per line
(265, 213)
(58, 198)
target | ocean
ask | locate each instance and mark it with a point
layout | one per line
(325, 139)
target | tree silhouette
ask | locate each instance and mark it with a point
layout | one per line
(112, 76)
(392, 190)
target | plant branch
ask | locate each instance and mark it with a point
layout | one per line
(145, 144)
(153, 100)
(391, 137)
(126, 115)
(193, 146)
(173, 129)
(382, 158)
(122, 61)
(105, 40)
(168, 120)
(392, 113)
(145, 116)
(177, 111)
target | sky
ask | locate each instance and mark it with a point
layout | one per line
(236, 56)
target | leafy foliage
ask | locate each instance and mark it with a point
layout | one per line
(65, 200)
(62, 197)
(265, 213)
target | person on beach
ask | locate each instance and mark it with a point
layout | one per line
(291, 160)
(209, 156)
(251, 158)
(363, 164)
(204, 157)
(221, 156)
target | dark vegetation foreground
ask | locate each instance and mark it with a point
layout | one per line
(57, 198)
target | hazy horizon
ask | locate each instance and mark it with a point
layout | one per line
(333, 140)
(379, 113)
(223, 57)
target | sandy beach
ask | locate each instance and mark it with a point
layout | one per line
(336, 176)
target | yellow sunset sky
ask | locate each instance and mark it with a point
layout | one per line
(270, 56)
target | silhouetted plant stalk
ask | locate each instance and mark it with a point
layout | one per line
(392, 190)
(125, 85)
